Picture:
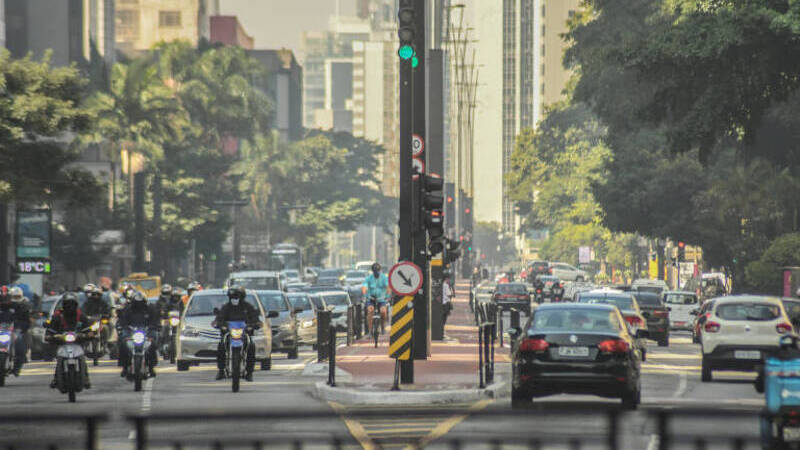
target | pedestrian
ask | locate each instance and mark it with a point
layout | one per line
(447, 294)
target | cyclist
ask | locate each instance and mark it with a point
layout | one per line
(376, 286)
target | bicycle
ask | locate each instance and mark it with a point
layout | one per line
(377, 328)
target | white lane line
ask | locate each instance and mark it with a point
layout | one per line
(654, 441)
(148, 393)
(682, 384)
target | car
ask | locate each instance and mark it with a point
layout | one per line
(645, 285)
(549, 281)
(256, 279)
(318, 289)
(306, 314)
(742, 331)
(297, 287)
(701, 315)
(657, 315)
(284, 326)
(567, 272)
(538, 268)
(573, 288)
(292, 276)
(337, 302)
(792, 307)
(576, 348)
(626, 303)
(198, 340)
(681, 304)
(310, 275)
(512, 295)
(365, 266)
(355, 277)
(329, 281)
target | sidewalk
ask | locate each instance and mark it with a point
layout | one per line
(450, 374)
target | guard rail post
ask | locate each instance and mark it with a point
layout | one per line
(359, 320)
(332, 357)
(494, 337)
(500, 324)
(514, 318)
(323, 323)
(350, 325)
(91, 433)
(481, 384)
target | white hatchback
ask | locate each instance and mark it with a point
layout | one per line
(681, 304)
(741, 331)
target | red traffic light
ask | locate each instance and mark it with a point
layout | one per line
(449, 199)
(467, 210)
(681, 245)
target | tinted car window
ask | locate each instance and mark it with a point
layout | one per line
(273, 301)
(653, 289)
(292, 273)
(203, 305)
(617, 300)
(317, 301)
(485, 290)
(258, 283)
(748, 311)
(648, 299)
(516, 288)
(329, 273)
(356, 274)
(336, 299)
(578, 319)
(300, 301)
(681, 299)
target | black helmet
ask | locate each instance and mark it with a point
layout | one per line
(69, 302)
(236, 292)
(138, 298)
(376, 267)
(166, 289)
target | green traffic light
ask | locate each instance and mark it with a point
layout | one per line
(405, 52)
(414, 61)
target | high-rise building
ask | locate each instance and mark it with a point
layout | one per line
(2, 24)
(284, 86)
(227, 30)
(79, 31)
(551, 77)
(143, 23)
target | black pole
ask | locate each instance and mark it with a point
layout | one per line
(480, 357)
(5, 275)
(138, 222)
(332, 356)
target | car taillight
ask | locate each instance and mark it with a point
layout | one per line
(634, 321)
(538, 291)
(550, 271)
(711, 327)
(613, 346)
(533, 345)
(783, 328)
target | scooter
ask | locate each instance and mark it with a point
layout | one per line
(70, 364)
(237, 341)
(6, 351)
(557, 293)
(170, 335)
(138, 345)
(779, 379)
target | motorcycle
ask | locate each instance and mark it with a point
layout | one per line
(96, 347)
(138, 344)
(237, 341)
(170, 335)
(557, 293)
(71, 364)
(6, 351)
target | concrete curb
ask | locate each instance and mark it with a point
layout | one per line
(353, 396)
(321, 370)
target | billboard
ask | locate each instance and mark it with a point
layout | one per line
(33, 234)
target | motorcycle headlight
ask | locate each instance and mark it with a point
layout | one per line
(70, 337)
(236, 333)
(138, 337)
(174, 321)
(95, 326)
(190, 331)
(5, 338)
(105, 321)
(308, 323)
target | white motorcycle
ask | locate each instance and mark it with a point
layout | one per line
(138, 345)
(6, 351)
(70, 364)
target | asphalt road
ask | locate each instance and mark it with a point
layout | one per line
(671, 378)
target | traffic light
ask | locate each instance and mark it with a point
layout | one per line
(453, 251)
(432, 204)
(681, 252)
(406, 31)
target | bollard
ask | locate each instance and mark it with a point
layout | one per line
(350, 325)
(332, 358)
(514, 318)
(359, 320)
(500, 322)
(323, 323)
(491, 361)
(481, 384)
(486, 339)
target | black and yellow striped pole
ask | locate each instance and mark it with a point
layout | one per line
(401, 337)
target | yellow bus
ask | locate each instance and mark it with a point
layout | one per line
(149, 285)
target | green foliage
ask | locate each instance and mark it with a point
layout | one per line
(766, 274)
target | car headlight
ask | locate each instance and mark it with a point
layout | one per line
(190, 331)
(308, 323)
(174, 321)
(236, 333)
(138, 338)
(70, 337)
(5, 338)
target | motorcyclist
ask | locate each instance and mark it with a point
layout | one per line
(376, 285)
(18, 314)
(96, 307)
(193, 287)
(164, 300)
(237, 309)
(167, 302)
(138, 315)
(127, 291)
(177, 299)
(65, 319)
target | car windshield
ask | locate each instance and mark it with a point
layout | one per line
(357, 274)
(548, 279)
(681, 299)
(257, 283)
(203, 305)
(515, 288)
(621, 302)
(272, 301)
(300, 301)
(143, 285)
(47, 305)
(575, 319)
(485, 290)
(329, 273)
(653, 289)
(292, 273)
(748, 311)
(336, 299)
(648, 299)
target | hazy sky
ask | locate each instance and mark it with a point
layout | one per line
(280, 23)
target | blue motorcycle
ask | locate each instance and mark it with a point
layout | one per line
(236, 341)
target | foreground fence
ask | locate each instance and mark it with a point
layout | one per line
(606, 432)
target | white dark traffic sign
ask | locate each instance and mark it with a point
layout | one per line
(405, 278)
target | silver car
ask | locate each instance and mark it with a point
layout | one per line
(307, 318)
(337, 302)
(681, 304)
(198, 340)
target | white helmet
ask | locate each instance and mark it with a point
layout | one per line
(16, 294)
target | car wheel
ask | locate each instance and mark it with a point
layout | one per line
(705, 375)
(520, 399)
(631, 399)
(266, 364)
(292, 353)
(644, 354)
(664, 342)
(183, 366)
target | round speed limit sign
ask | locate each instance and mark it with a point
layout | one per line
(417, 145)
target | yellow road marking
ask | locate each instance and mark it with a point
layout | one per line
(445, 427)
(358, 431)
(401, 341)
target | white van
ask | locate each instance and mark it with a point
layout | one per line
(681, 304)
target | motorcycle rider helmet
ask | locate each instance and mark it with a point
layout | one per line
(89, 288)
(236, 294)
(15, 294)
(376, 268)
(69, 303)
(166, 290)
(139, 298)
(96, 293)
(193, 286)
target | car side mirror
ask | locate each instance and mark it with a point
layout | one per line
(514, 333)
(272, 314)
(641, 333)
(330, 308)
(298, 310)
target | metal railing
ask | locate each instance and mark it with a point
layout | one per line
(90, 421)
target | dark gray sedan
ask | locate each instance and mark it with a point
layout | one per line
(284, 327)
(306, 317)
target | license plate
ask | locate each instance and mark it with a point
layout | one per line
(679, 324)
(791, 434)
(747, 354)
(573, 351)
